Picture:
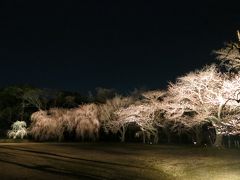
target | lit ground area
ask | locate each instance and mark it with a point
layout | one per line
(115, 161)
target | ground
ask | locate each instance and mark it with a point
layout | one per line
(116, 161)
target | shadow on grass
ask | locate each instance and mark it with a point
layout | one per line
(75, 158)
(52, 170)
(130, 171)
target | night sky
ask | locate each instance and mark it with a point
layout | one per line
(81, 46)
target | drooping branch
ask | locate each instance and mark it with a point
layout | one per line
(229, 56)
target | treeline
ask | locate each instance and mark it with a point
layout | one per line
(18, 102)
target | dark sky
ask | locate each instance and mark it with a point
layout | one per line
(80, 46)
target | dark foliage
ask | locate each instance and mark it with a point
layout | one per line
(13, 105)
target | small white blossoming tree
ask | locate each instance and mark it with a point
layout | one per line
(18, 130)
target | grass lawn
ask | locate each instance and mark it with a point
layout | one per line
(115, 161)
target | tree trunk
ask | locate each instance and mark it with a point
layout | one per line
(123, 137)
(218, 141)
(220, 108)
(236, 143)
(198, 135)
(155, 141)
(198, 139)
(229, 141)
(144, 137)
(123, 134)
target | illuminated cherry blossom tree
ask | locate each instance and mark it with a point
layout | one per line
(141, 114)
(52, 124)
(107, 115)
(201, 96)
(86, 122)
(47, 125)
(229, 111)
(19, 130)
(194, 98)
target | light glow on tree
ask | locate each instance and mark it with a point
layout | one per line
(52, 124)
(19, 130)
